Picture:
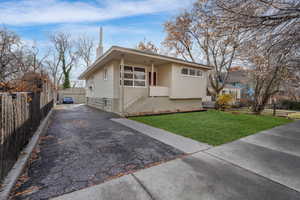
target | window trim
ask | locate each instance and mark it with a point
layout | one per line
(133, 77)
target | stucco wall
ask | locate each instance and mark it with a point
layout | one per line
(187, 87)
(101, 88)
(163, 104)
(164, 73)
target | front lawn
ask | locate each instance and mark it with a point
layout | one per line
(212, 127)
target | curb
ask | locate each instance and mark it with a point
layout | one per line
(13, 175)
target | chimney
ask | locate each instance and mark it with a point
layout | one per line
(100, 47)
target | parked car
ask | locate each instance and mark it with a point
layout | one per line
(68, 100)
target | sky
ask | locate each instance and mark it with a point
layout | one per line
(125, 22)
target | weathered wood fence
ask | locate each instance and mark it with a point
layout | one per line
(20, 116)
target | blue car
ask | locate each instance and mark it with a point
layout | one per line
(68, 100)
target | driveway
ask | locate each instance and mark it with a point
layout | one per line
(83, 147)
(262, 166)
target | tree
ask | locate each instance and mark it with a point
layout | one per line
(67, 54)
(273, 23)
(85, 46)
(200, 34)
(147, 46)
(52, 64)
(9, 45)
(269, 71)
(28, 59)
(272, 28)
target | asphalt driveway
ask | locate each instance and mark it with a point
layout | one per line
(264, 166)
(83, 147)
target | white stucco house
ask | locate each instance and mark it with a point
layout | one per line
(129, 82)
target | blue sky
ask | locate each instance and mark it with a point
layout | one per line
(125, 22)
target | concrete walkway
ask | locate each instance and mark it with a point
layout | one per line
(262, 166)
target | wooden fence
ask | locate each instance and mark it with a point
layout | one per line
(20, 116)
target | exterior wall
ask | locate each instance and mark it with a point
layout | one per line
(97, 87)
(78, 94)
(100, 92)
(187, 87)
(164, 74)
(110, 105)
(163, 104)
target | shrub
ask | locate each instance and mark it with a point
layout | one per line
(290, 105)
(294, 115)
(224, 101)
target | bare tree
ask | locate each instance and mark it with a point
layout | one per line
(272, 28)
(147, 46)
(52, 64)
(29, 59)
(67, 54)
(200, 34)
(273, 23)
(269, 71)
(9, 45)
(86, 49)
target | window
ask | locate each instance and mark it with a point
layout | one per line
(185, 71)
(105, 74)
(199, 73)
(191, 72)
(134, 76)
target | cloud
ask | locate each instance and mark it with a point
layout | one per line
(126, 35)
(26, 12)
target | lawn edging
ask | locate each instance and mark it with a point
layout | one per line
(18, 168)
(184, 144)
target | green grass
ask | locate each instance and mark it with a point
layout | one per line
(212, 127)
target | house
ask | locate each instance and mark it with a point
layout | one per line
(238, 84)
(129, 81)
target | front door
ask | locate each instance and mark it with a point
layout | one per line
(154, 78)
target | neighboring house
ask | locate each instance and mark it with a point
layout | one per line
(238, 85)
(129, 81)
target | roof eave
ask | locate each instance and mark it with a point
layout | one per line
(84, 75)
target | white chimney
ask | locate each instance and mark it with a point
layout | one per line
(100, 47)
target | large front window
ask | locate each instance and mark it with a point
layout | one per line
(134, 76)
